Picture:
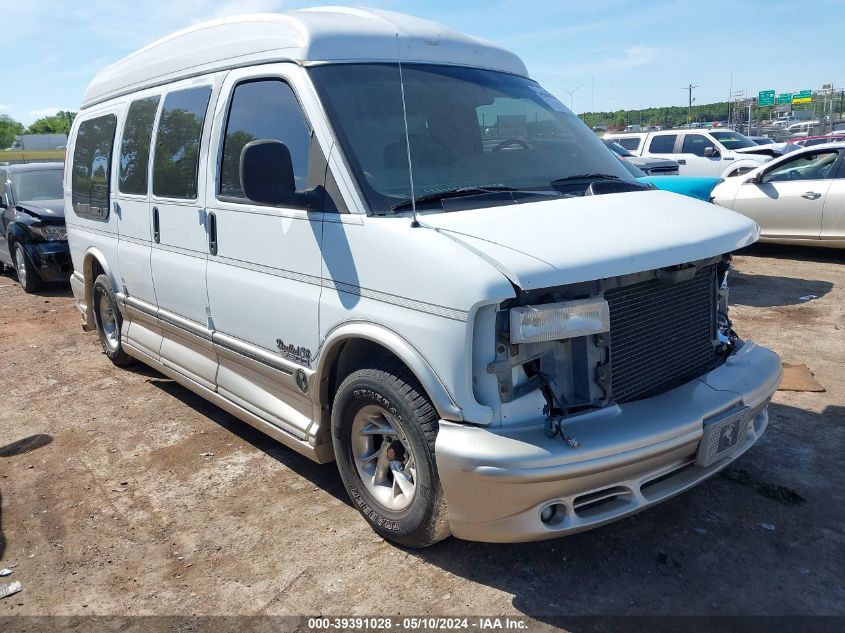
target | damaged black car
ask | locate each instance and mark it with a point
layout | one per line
(33, 238)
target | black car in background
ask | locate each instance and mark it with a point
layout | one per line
(33, 238)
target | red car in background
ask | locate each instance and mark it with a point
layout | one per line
(809, 141)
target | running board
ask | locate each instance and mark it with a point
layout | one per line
(322, 454)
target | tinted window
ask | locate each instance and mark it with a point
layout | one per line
(135, 148)
(91, 167)
(629, 143)
(176, 163)
(663, 144)
(816, 166)
(695, 144)
(264, 109)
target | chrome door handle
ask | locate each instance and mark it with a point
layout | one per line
(811, 195)
(682, 161)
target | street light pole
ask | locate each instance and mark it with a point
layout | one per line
(689, 89)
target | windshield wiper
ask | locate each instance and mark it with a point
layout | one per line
(457, 192)
(583, 178)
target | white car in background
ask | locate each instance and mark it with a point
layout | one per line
(796, 199)
(714, 153)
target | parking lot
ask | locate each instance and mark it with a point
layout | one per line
(130, 495)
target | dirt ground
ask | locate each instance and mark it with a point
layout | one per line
(130, 495)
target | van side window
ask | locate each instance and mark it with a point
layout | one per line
(91, 167)
(135, 147)
(663, 144)
(265, 109)
(176, 162)
(696, 144)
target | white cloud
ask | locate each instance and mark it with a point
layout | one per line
(3, 106)
(41, 112)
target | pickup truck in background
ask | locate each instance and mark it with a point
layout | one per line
(711, 153)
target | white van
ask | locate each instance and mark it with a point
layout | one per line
(382, 243)
(708, 153)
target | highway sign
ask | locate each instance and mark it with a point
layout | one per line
(766, 98)
(785, 98)
(805, 96)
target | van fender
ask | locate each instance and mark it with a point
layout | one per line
(434, 387)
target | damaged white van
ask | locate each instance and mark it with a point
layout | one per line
(380, 242)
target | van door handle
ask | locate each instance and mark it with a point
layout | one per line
(156, 228)
(682, 161)
(811, 195)
(117, 209)
(211, 226)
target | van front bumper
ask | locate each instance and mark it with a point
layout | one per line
(498, 481)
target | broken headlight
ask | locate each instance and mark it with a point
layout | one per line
(558, 321)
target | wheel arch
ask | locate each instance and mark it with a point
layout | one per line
(347, 347)
(94, 263)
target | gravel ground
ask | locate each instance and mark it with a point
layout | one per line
(132, 496)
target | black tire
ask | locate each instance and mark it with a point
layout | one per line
(114, 348)
(28, 277)
(390, 385)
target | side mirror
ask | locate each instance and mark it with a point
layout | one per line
(711, 152)
(266, 172)
(755, 179)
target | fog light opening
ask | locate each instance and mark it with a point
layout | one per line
(553, 514)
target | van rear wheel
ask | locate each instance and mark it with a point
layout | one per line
(383, 431)
(109, 322)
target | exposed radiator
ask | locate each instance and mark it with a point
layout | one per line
(661, 335)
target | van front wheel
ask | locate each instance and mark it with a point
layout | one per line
(109, 322)
(383, 430)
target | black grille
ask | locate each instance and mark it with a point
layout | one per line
(661, 335)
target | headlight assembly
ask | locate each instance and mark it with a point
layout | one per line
(48, 232)
(556, 321)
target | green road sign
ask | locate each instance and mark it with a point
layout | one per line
(766, 98)
(805, 96)
(785, 98)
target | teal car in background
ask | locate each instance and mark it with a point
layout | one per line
(692, 186)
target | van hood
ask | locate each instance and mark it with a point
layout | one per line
(569, 240)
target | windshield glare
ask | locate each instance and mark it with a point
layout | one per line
(733, 140)
(468, 128)
(37, 185)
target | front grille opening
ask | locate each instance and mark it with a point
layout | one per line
(661, 335)
(657, 487)
(600, 501)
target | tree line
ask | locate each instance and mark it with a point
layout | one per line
(58, 123)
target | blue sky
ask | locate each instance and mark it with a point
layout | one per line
(614, 54)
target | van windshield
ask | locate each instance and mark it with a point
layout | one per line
(469, 129)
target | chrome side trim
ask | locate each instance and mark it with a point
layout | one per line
(255, 353)
(183, 324)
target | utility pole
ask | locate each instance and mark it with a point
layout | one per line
(689, 89)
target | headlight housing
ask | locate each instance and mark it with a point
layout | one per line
(49, 232)
(556, 321)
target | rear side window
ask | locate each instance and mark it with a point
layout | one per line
(629, 143)
(696, 144)
(91, 167)
(265, 109)
(176, 162)
(135, 147)
(663, 144)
